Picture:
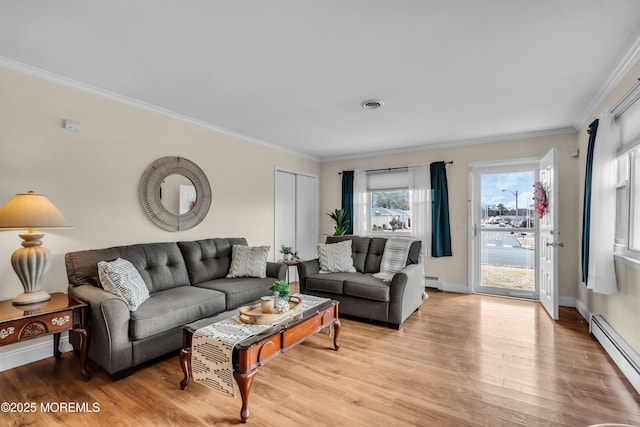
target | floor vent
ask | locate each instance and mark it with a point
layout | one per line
(622, 354)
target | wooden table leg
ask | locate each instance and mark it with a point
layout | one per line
(185, 363)
(56, 346)
(85, 337)
(336, 332)
(185, 357)
(244, 380)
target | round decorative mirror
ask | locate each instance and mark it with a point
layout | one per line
(175, 193)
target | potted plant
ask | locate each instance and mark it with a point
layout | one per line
(288, 252)
(281, 290)
(339, 217)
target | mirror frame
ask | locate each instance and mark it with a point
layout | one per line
(149, 193)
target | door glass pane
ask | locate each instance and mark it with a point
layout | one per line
(507, 233)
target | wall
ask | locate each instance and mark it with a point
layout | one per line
(454, 270)
(620, 310)
(92, 175)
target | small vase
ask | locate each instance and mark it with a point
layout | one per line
(282, 304)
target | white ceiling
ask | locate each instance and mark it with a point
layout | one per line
(292, 73)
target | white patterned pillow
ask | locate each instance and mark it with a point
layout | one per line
(248, 261)
(121, 278)
(336, 257)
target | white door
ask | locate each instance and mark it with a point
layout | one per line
(503, 236)
(285, 211)
(296, 215)
(549, 235)
(306, 213)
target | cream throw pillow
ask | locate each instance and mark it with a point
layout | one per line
(248, 261)
(121, 278)
(336, 257)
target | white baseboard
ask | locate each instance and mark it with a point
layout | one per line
(584, 311)
(567, 301)
(31, 353)
(454, 287)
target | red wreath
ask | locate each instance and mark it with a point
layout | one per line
(539, 199)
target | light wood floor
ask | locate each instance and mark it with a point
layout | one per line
(461, 360)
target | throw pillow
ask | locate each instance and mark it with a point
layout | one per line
(394, 258)
(336, 257)
(121, 278)
(248, 261)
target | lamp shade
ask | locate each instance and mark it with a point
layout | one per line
(30, 211)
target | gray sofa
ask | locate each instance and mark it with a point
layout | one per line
(362, 295)
(186, 281)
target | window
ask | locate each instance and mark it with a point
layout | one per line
(627, 214)
(390, 211)
(390, 206)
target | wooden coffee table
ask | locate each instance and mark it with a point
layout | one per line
(256, 351)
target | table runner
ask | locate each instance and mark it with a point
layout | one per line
(212, 347)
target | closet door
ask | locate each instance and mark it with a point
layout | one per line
(295, 215)
(285, 211)
(306, 221)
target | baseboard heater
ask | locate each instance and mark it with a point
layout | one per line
(622, 354)
(432, 282)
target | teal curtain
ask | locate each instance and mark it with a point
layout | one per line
(347, 198)
(440, 227)
(586, 206)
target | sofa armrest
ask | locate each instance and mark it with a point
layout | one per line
(109, 320)
(277, 270)
(406, 292)
(306, 269)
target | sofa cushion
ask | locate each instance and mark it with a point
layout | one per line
(173, 308)
(359, 248)
(374, 257)
(121, 278)
(248, 261)
(367, 287)
(208, 259)
(336, 257)
(329, 282)
(239, 291)
(161, 265)
(415, 253)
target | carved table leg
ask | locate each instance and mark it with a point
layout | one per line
(185, 363)
(185, 357)
(85, 333)
(56, 346)
(244, 380)
(338, 325)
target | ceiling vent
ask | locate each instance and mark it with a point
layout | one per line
(371, 104)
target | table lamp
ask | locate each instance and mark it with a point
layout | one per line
(29, 212)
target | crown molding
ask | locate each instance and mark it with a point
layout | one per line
(629, 59)
(95, 90)
(458, 143)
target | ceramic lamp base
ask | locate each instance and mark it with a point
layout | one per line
(28, 298)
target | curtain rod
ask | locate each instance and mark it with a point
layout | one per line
(627, 100)
(398, 168)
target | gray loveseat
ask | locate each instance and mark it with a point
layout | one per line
(362, 295)
(186, 281)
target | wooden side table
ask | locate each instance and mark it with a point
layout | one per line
(290, 263)
(61, 313)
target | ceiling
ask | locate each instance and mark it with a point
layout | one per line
(292, 73)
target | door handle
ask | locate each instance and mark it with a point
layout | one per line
(561, 244)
